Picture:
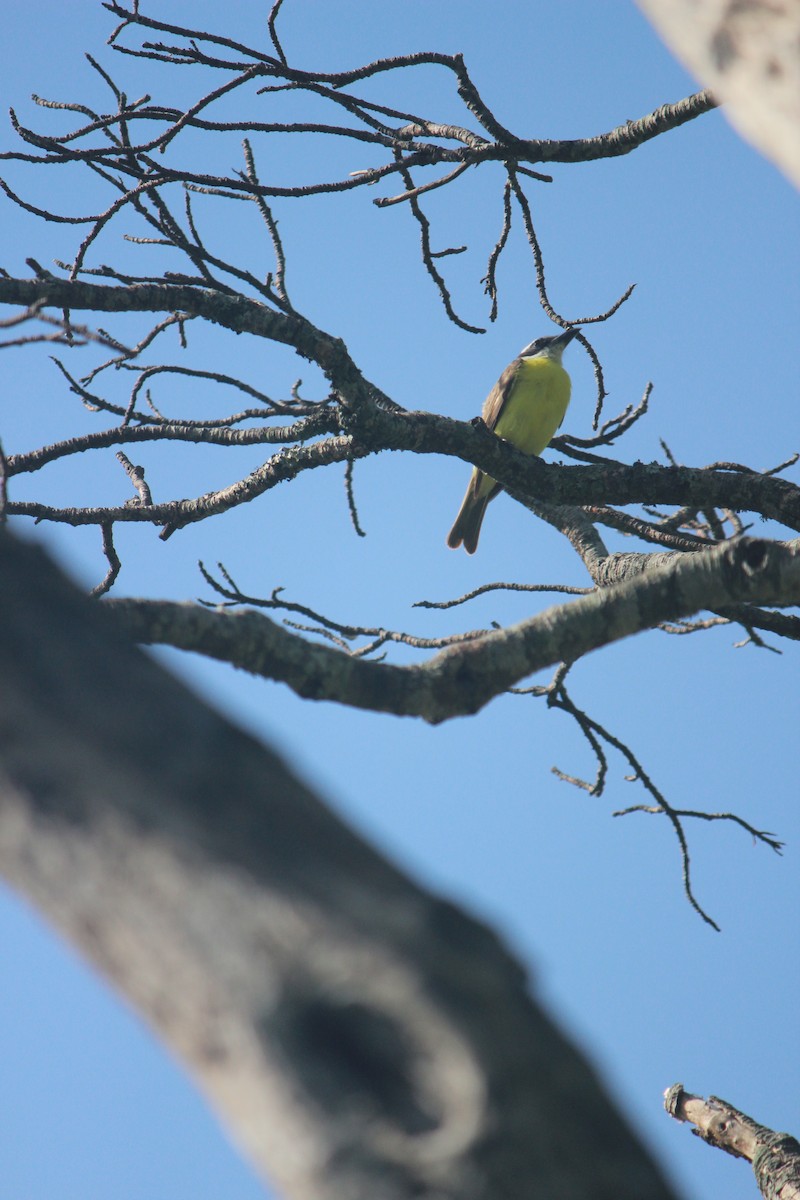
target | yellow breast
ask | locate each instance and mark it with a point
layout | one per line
(535, 406)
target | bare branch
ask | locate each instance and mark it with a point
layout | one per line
(114, 564)
(775, 1156)
(490, 279)
(338, 633)
(272, 949)
(271, 224)
(273, 15)
(758, 835)
(136, 476)
(351, 499)
(462, 680)
(427, 256)
(596, 734)
(560, 588)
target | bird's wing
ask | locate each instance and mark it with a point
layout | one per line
(498, 396)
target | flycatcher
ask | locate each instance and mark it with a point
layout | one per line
(525, 407)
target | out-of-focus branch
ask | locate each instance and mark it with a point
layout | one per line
(749, 54)
(357, 1035)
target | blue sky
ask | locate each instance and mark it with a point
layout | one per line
(709, 233)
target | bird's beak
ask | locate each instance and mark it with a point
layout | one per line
(564, 339)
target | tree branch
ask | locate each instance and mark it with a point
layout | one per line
(358, 1036)
(463, 679)
(775, 1156)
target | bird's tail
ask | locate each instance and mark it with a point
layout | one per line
(467, 525)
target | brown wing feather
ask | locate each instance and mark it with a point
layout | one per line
(498, 397)
(467, 527)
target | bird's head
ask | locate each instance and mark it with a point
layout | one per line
(549, 347)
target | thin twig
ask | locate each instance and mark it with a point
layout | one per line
(351, 499)
(558, 697)
(114, 564)
(560, 588)
(136, 476)
(324, 626)
(490, 278)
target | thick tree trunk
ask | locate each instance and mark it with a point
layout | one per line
(358, 1036)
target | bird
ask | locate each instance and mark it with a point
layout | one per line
(525, 407)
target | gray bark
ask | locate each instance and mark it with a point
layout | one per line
(358, 1036)
(749, 55)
